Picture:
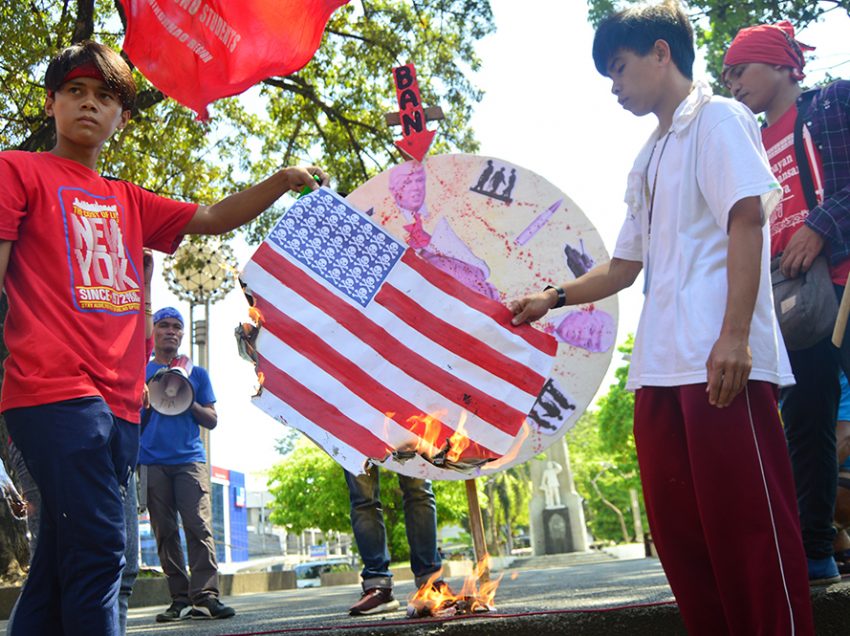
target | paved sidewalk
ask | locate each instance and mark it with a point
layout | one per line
(602, 598)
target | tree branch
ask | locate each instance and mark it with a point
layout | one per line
(84, 24)
(300, 87)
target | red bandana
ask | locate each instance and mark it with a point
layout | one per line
(768, 44)
(85, 70)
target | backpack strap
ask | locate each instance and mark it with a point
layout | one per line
(802, 156)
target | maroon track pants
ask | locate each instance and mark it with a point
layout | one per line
(722, 508)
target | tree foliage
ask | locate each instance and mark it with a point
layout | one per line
(329, 113)
(504, 507)
(717, 21)
(604, 460)
(309, 491)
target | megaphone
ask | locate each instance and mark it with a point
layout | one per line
(171, 393)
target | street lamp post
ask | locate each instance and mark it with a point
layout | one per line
(201, 273)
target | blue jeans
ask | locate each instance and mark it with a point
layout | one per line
(80, 456)
(131, 552)
(131, 521)
(367, 522)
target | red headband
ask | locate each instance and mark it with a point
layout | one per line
(768, 44)
(84, 70)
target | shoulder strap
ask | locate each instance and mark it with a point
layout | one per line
(802, 156)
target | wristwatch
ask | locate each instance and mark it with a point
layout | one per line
(562, 295)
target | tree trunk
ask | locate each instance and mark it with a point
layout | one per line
(14, 547)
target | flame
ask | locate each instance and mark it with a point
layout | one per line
(458, 442)
(255, 315)
(430, 426)
(476, 595)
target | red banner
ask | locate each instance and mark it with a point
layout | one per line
(197, 51)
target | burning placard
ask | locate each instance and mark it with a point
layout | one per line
(503, 231)
(378, 355)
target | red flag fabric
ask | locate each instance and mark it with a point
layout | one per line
(371, 351)
(197, 51)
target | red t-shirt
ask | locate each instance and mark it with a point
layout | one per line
(75, 280)
(793, 210)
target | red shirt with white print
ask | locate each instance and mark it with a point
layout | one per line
(75, 281)
(793, 210)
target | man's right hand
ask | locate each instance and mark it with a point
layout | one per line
(533, 307)
(802, 250)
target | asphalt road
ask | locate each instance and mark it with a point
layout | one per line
(521, 592)
(588, 599)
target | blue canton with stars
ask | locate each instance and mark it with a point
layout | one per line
(338, 244)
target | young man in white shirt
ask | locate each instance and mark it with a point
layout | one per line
(707, 359)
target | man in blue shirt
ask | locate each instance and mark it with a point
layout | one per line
(179, 481)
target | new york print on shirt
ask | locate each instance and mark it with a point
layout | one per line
(103, 276)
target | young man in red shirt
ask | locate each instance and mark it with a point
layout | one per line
(763, 70)
(75, 332)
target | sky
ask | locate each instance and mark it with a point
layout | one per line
(545, 108)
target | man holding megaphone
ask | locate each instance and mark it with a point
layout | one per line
(181, 401)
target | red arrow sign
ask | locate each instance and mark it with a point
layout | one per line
(417, 138)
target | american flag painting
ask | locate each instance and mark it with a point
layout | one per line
(374, 353)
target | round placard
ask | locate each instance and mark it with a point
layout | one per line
(503, 231)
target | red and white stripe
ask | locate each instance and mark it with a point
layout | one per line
(356, 380)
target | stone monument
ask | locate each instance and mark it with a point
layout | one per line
(556, 513)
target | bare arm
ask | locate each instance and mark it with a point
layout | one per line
(600, 282)
(147, 266)
(731, 360)
(5, 252)
(205, 415)
(237, 209)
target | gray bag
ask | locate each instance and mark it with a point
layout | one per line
(806, 306)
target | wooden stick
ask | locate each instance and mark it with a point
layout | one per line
(841, 319)
(476, 525)
(432, 113)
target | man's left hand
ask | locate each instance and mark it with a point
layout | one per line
(729, 365)
(801, 251)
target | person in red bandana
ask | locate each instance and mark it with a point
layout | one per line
(75, 331)
(807, 138)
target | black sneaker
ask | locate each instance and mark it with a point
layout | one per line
(178, 611)
(374, 601)
(211, 608)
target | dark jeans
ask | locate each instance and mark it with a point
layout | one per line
(809, 412)
(131, 552)
(184, 488)
(80, 456)
(131, 521)
(367, 522)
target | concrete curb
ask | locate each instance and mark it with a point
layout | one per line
(149, 591)
(831, 608)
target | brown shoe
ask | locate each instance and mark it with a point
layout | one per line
(374, 601)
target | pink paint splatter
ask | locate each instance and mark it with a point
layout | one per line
(591, 330)
(467, 274)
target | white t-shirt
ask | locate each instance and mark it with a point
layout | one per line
(713, 158)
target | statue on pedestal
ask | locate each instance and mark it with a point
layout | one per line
(551, 485)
